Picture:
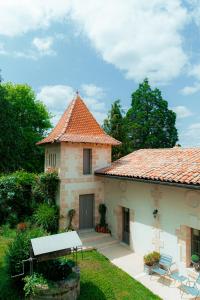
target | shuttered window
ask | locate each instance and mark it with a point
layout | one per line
(87, 161)
(51, 160)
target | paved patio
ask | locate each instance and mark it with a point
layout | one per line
(120, 255)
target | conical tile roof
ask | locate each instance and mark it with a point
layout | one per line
(78, 125)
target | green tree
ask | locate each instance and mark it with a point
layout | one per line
(151, 124)
(24, 121)
(115, 126)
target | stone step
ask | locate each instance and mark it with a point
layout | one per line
(101, 243)
(92, 236)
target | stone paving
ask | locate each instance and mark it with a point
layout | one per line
(121, 256)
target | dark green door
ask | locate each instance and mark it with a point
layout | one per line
(126, 225)
(195, 241)
(86, 211)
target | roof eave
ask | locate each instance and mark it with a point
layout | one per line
(112, 143)
(151, 181)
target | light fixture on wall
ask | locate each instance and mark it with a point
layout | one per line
(155, 213)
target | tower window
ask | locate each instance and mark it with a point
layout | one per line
(51, 160)
(87, 161)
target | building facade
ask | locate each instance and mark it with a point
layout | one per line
(152, 195)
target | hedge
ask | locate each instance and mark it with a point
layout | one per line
(21, 192)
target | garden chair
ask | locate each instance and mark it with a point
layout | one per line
(162, 268)
(191, 288)
(178, 277)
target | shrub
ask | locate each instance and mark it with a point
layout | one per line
(71, 214)
(19, 250)
(47, 186)
(47, 216)
(55, 270)
(102, 211)
(16, 201)
(21, 192)
(195, 258)
(31, 283)
(7, 232)
(151, 258)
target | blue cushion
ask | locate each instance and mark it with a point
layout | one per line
(176, 276)
(159, 271)
(190, 290)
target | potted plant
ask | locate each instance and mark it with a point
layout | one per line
(102, 226)
(149, 260)
(195, 262)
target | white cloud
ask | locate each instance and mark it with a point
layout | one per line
(38, 48)
(191, 136)
(43, 45)
(194, 71)
(20, 16)
(191, 89)
(57, 98)
(141, 38)
(182, 112)
(92, 90)
(92, 96)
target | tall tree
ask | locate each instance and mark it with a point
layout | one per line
(115, 126)
(23, 122)
(151, 124)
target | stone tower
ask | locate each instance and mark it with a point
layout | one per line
(76, 147)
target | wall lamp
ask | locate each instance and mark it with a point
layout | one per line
(155, 213)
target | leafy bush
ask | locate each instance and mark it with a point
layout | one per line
(31, 283)
(19, 250)
(56, 269)
(47, 186)
(21, 192)
(47, 216)
(151, 258)
(71, 214)
(195, 258)
(7, 232)
(16, 201)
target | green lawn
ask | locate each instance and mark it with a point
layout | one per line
(100, 280)
(6, 292)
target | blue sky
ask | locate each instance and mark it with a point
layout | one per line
(104, 49)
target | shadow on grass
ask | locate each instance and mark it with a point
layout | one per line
(90, 291)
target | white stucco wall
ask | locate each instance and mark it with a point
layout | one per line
(178, 207)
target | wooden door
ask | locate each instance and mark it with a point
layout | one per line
(86, 211)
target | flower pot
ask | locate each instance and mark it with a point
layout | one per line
(196, 265)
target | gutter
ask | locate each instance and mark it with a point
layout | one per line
(151, 181)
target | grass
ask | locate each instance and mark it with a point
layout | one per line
(6, 291)
(100, 279)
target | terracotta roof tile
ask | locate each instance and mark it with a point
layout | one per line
(78, 125)
(176, 165)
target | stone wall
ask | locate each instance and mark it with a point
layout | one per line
(74, 183)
